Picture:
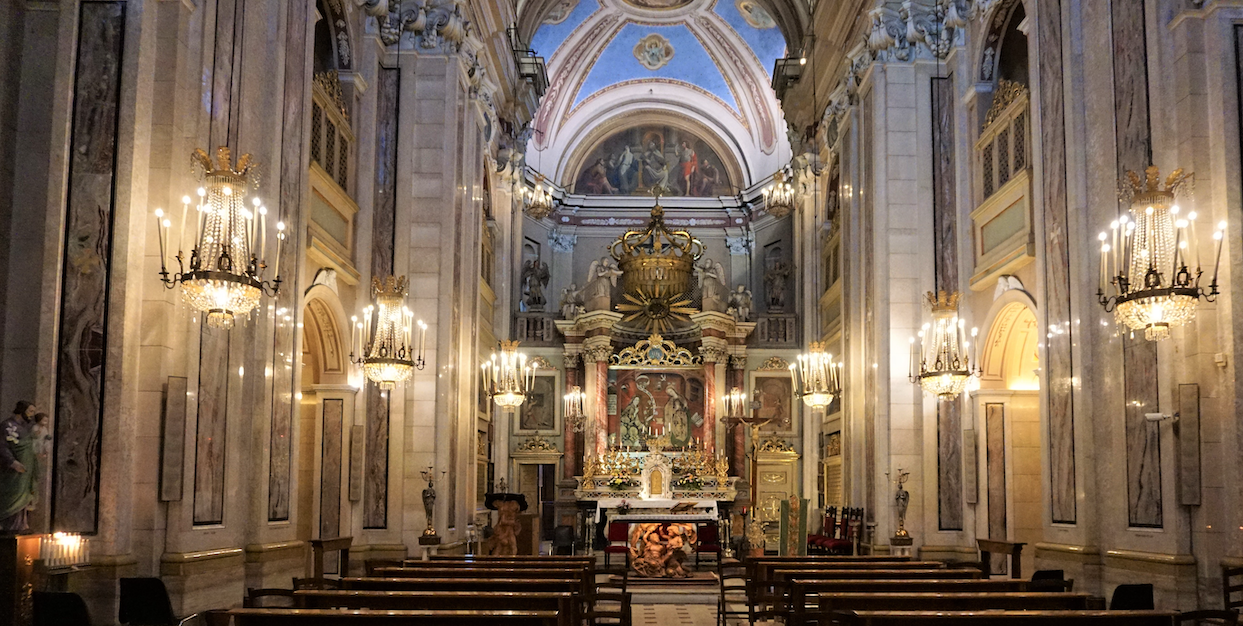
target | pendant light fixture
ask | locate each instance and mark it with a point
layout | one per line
(384, 341)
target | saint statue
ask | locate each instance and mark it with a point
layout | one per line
(18, 468)
(429, 502)
(740, 303)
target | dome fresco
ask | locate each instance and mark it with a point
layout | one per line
(707, 60)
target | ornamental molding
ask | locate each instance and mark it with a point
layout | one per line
(561, 240)
(911, 29)
(540, 363)
(437, 25)
(741, 245)
(774, 364)
(330, 83)
(656, 351)
(1007, 92)
(598, 354)
(570, 359)
(536, 444)
(714, 354)
(776, 444)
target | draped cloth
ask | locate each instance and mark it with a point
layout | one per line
(17, 490)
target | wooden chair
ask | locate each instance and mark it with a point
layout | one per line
(1228, 617)
(59, 608)
(732, 602)
(1132, 598)
(709, 540)
(607, 606)
(1232, 583)
(618, 542)
(145, 602)
(268, 597)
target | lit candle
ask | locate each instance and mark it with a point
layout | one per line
(1220, 236)
(185, 210)
(263, 233)
(159, 234)
(280, 242)
(1104, 250)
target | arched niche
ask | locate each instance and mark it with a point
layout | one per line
(1003, 52)
(325, 333)
(1009, 358)
(333, 48)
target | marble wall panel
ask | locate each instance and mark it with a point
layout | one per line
(383, 233)
(867, 238)
(82, 340)
(944, 186)
(1139, 356)
(1059, 365)
(209, 446)
(1189, 445)
(292, 190)
(357, 454)
(173, 449)
(995, 443)
(330, 469)
(949, 465)
(1143, 469)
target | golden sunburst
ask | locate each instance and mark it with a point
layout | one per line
(658, 308)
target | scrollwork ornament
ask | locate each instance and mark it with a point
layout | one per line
(536, 444)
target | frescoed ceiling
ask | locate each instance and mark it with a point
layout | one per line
(701, 67)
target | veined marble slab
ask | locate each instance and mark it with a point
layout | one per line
(1143, 469)
(944, 185)
(330, 469)
(949, 465)
(209, 448)
(1060, 368)
(82, 340)
(995, 441)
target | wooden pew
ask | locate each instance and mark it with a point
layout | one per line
(476, 572)
(340, 617)
(760, 568)
(465, 584)
(436, 600)
(797, 591)
(1006, 618)
(779, 575)
(803, 614)
(532, 564)
(481, 558)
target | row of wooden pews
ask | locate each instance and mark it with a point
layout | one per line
(462, 591)
(888, 591)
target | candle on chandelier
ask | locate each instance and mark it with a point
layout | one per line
(280, 242)
(159, 234)
(185, 210)
(1220, 236)
(422, 338)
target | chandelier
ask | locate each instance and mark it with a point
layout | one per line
(945, 367)
(575, 417)
(392, 356)
(225, 274)
(1147, 278)
(779, 196)
(537, 201)
(507, 378)
(817, 379)
(735, 404)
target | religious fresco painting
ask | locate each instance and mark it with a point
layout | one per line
(636, 160)
(658, 5)
(657, 402)
(775, 394)
(539, 412)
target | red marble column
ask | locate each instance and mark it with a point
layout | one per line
(602, 406)
(569, 460)
(740, 431)
(710, 402)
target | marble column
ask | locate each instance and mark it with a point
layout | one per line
(569, 460)
(945, 254)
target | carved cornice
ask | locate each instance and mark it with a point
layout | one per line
(774, 364)
(656, 351)
(536, 444)
(1007, 92)
(540, 363)
(712, 353)
(775, 444)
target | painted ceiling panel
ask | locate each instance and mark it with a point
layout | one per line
(558, 27)
(688, 62)
(756, 27)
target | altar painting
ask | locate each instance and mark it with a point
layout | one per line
(656, 402)
(774, 395)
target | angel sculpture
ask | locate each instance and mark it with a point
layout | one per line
(740, 303)
(711, 282)
(601, 278)
(571, 302)
(534, 278)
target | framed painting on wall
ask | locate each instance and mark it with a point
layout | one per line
(773, 399)
(658, 402)
(539, 411)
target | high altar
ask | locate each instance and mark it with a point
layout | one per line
(653, 429)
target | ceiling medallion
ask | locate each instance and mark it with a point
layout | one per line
(755, 15)
(658, 5)
(653, 51)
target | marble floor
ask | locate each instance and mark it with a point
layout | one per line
(670, 614)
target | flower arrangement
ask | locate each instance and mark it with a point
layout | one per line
(617, 483)
(690, 481)
(623, 507)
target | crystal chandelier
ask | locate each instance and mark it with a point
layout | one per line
(1147, 278)
(945, 367)
(779, 196)
(507, 378)
(225, 277)
(817, 379)
(392, 354)
(574, 414)
(537, 201)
